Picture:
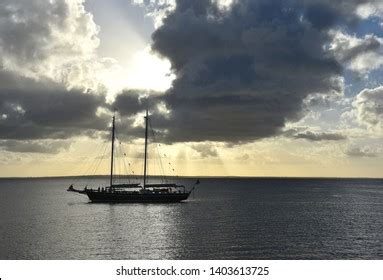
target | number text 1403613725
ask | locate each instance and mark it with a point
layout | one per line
(244, 271)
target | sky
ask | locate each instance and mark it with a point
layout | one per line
(234, 88)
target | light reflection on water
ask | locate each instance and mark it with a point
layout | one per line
(227, 219)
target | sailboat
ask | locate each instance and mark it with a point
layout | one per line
(135, 193)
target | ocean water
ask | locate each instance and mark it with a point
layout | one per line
(226, 218)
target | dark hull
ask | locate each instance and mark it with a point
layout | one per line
(115, 197)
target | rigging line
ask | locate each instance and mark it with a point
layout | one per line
(101, 159)
(115, 165)
(172, 170)
(118, 163)
(123, 154)
(93, 164)
(130, 177)
(114, 141)
(119, 155)
(85, 164)
(167, 177)
(162, 171)
(154, 139)
(125, 163)
(122, 170)
(158, 151)
(119, 177)
(147, 158)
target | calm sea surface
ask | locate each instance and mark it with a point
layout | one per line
(226, 219)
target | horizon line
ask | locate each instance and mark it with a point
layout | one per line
(194, 176)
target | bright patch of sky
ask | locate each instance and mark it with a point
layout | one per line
(106, 48)
(125, 36)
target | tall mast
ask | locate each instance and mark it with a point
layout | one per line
(111, 161)
(146, 145)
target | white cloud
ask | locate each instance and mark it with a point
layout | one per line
(369, 105)
(367, 10)
(156, 9)
(366, 62)
(50, 39)
(359, 54)
(224, 4)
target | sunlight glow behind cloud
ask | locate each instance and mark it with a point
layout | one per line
(144, 71)
(304, 100)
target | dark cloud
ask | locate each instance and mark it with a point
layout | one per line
(205, 150)
(319, 101)
(23, 31)
(319, 136)
(49, 147)
(321, 15)
(32, 109)
(46, 40)
(133, 101)
(360, 152)
(346, 50)
(307, 134)
(324, 14)
(243, 73)
(128, 103)
(244, 157)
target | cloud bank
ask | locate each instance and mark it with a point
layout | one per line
(50, 39)
(369, 105)
(48, 88)
(46, 110)
(243, 69)
(244, 72)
